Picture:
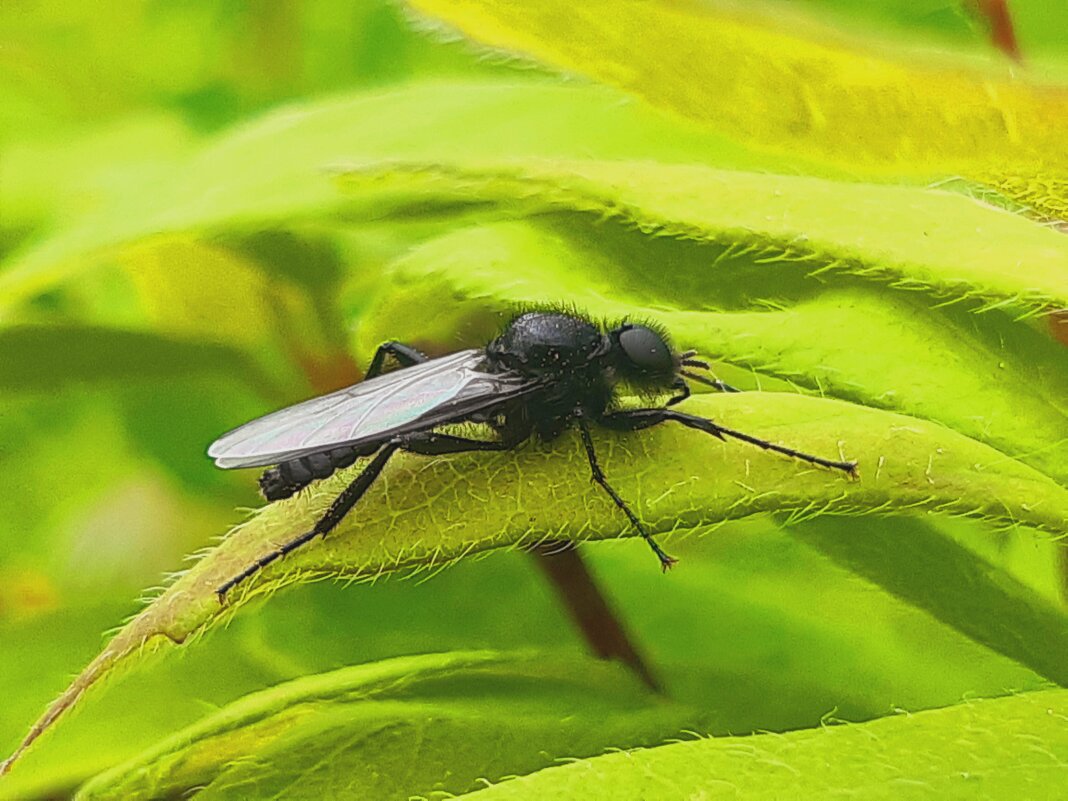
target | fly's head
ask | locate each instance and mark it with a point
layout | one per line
(641, 356)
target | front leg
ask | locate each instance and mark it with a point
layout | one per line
(687, 360)
(637, 419)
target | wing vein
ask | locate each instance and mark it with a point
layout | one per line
(440, 389)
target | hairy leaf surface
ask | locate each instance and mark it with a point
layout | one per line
(427, 512)
(902, 351)
(990, 748)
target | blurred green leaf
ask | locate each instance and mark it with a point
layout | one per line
(792, 637)
(173, 395)
(118, 521)
(54, 178)
(272, 171)
(1039, 26)
(1000, 748)
(51, 358)
(213, 62)
(917, 562)
(913, 21)
(440, 723)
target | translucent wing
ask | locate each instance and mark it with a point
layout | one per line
(435, 392)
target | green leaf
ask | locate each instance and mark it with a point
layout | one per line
(41, 653)
(52, 358)
(134, 380)
(935, 242)
(791, 635)
(917, 561)
(441, 723)
(1038, 26)
(114, 521)
(993, 748)
(932, 22)
(57, 177)
(961, 369)
(794, 321)
(792, 85)
(427, 513)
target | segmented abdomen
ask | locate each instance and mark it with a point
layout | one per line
(290, 477)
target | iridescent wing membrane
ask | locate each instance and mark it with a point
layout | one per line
(437, 392)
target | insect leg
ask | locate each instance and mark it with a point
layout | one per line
(683, 392)
(405, 355)
(337, 511)
(598, 476)
(636, 419)
(428, 444)
(431, 444)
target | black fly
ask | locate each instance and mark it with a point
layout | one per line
(546, 371)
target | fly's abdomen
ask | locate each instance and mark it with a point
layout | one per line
(290, 477)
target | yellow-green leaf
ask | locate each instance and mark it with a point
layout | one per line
(793, 85)
(945, 244)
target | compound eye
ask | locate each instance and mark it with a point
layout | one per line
(646, 350)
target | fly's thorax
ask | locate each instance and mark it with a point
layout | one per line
(549, 343)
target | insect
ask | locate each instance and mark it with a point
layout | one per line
(547, 371)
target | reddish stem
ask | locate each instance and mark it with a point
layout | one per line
(1002, 34)
(589, 609)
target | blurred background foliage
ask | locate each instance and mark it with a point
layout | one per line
(176, 258)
